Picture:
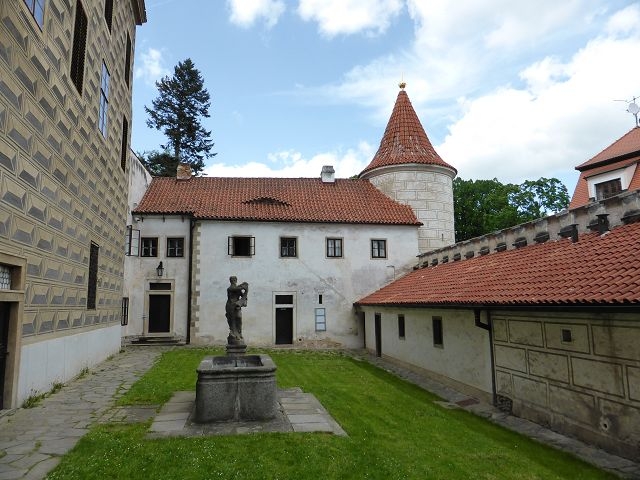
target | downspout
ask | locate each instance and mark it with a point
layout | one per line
(489, 328)
(190, 280)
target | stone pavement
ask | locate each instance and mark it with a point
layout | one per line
(32, 440)
(622, 467)
(298, 412)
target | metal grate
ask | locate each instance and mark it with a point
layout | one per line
(5, 277)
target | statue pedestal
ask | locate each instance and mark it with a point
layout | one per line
(236, 350)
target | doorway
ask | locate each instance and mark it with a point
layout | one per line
(284, 325)
(378, 333)
(5, 315)
(159, 313)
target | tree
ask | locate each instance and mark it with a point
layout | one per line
(484, 206)
(159, 164)
(182, 100)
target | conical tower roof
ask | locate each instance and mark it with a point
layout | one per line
(404, 140)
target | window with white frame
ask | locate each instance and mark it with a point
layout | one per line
(321, 320)
(334, 247)
(288, 247)
(131, 241)
(104, 100)
(175, 247)
(149, 247)
(241, 246)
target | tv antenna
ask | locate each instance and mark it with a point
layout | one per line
(632, 108)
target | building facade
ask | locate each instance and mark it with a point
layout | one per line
(65, 111)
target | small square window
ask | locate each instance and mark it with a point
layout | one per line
(436, 323)
(149, 247)
(288, 246)
(241, 246)
(378, 248)
(566, 335)
(175, 247)
(401, 326)
(334, 247)
(321, 320)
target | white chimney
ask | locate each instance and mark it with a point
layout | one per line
(328, 174)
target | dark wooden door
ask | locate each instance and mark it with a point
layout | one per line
(159, 313)
(378, 332)
(5, 311)
(284, 326)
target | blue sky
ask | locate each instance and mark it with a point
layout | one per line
(508, 89)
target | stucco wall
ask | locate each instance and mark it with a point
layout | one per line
(340, 281)
(589, 386)
(463, 360)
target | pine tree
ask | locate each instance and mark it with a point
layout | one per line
(181, 102)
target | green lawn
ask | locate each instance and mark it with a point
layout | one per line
(395, 431)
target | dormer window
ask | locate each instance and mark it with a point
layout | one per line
(608, 189)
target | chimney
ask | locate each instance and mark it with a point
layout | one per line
(183, 172)
(603, 223)
(328, 174)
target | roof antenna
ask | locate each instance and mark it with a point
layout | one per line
(632, 108)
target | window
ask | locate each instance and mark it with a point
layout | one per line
(5, 277)
(127, 61)
(288, 247)
(175, 247)
(334, 247)
(108, 12)
(92, 284)
(124, 316)
(436, 323)
(241, 246)
(36, 7)
(378, 249)
(104, 100)
(149, 247)
(401, 326)
(131, 241)
(608, 189)
(321, 320)
(123, 147)
(566, 335)
(79, 47)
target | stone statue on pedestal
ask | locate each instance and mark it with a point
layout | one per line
(236, 299)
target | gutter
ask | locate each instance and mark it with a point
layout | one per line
(489, 328)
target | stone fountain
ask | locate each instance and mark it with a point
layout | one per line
(236, 386)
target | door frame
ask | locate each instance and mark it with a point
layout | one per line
(15, 296)
(150, 293)
(294, 319)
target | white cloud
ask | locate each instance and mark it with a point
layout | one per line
(292, 164)
(337, 17)
(245, 13)
(152, 67)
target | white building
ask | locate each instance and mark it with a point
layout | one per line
(308, 247)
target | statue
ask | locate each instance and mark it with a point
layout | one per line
(236, 299)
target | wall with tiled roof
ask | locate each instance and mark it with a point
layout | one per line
(275, 200)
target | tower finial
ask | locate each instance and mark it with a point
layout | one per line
(402, 83)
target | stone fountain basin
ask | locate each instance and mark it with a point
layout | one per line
(236, 388)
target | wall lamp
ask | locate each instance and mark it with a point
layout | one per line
(160, 269)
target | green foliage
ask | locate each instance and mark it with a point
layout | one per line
(182, 101)
(395, 429)
(159, 164)
(484, 206)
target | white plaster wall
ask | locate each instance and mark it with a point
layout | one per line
(341, 281)
(140, 271)
(429, 192)
(60, 359)
(464, 357)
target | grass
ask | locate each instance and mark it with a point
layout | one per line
(395, 432)
(35, 398)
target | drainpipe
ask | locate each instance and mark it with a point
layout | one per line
(489, 328)
(190, 280)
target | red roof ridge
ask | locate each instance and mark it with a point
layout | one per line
(627, 145)
(405, 140)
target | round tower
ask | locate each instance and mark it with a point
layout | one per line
(407, 168)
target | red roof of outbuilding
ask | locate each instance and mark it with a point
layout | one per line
(274, 200)
(404, 140)
(628, 144)
(596, 270)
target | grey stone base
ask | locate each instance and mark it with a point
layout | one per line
(297, 412)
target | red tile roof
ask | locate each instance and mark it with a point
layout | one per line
(620, 154)
(274, 200)
(597, 270)
(404, 140)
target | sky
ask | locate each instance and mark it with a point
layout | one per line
(505, 89)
